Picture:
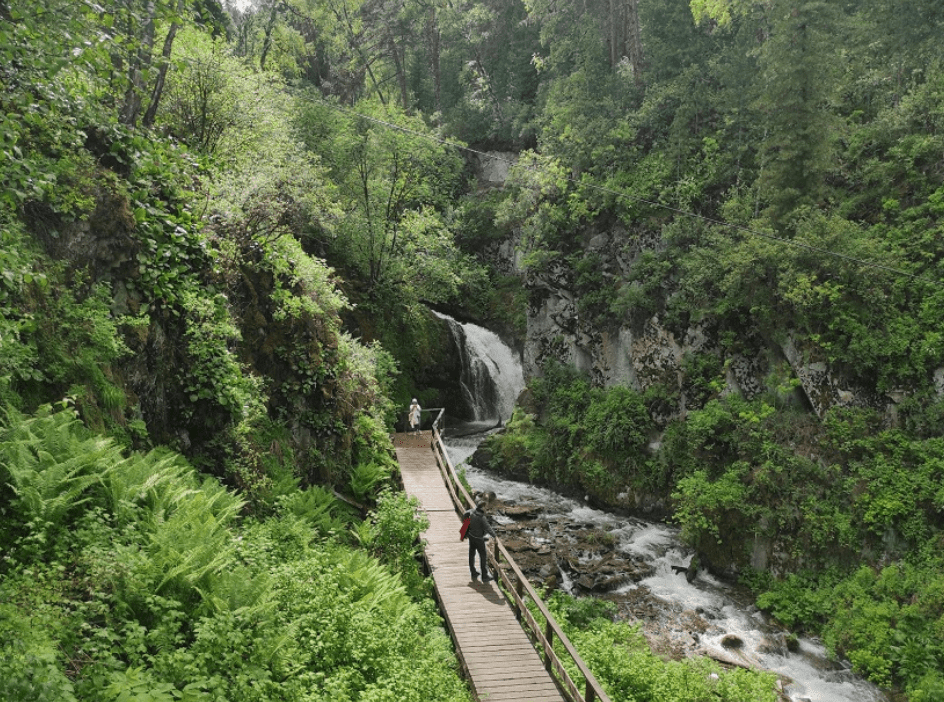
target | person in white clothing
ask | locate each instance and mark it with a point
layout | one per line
(414, 416)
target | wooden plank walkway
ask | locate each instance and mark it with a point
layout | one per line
(497, 655)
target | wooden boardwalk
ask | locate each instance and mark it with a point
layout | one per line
(497, 655)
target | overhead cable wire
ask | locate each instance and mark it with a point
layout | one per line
(635, 198)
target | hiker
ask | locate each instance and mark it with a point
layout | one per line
(479, 530)
(414, 416)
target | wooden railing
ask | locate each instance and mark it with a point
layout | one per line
(516, 585)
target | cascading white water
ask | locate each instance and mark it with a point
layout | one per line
(809, 675)
(491, 372)
(492, 379)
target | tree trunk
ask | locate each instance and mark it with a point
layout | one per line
(399, 61)
(161, 74)
(138, 64)
(267, 41)
(614, 38)
(432, 32)
(633, 39)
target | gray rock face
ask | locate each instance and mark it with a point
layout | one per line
(647, 353)
(492, 168)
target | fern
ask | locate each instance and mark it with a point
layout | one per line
(316, 506)
(372, 585)
(238, 589)
(193, 544)
(149, 489)
(365, 477)
(50, 462)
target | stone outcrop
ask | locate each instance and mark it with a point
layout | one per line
(491, 169)
(648, 352)
(543, 549)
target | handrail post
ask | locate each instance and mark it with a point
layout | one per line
(549, 645)
(519, 588)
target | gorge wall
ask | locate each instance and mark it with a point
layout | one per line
(653, 352)
(648, 352)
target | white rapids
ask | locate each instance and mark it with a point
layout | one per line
(808, 675)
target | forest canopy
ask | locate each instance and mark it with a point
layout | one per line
(223, 227)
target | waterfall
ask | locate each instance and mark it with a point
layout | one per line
(491, 372)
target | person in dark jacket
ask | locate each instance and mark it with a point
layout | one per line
(479, 531)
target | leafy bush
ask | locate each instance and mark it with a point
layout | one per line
(704, 505)
(365, 477)
(396, 525)
(51, 464)
(150, 587)
(30, 664)
(621, 660)
(317, 506)
(592, 439)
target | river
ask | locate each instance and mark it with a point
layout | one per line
(692, 618)
(678, 618)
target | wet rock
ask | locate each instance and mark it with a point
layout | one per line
(586, 553)
(775, 645)
(518, 512)
(693, 623)
(707, 613)
(732, 641)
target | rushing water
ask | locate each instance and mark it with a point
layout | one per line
(808, 674)
(491, 371)
(492, 380)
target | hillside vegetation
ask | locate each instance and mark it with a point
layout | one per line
(223, 228)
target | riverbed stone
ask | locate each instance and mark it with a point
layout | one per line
(586, 554)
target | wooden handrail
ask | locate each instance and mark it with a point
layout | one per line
(543, 639)
(437, 421)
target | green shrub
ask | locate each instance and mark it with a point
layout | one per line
(622, 662)
(365, 477)
(317, 506)
(31, 621)
(396, 525)
(51, 464)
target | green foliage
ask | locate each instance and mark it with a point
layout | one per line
(33, 675)
(213, 99)
(617, 423)
(50, 463)
(579, 437)
(702, 505)
(158, 591)
(396, 526)
(30, 665)
(797, 602)
(365, 477)
(704, 378)
(212, 370)
(138, 685)
(57, 332)
(745, 114)
(395, 185)
(885, 621)
(317, 506)
(581, 612)
(621, 660)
